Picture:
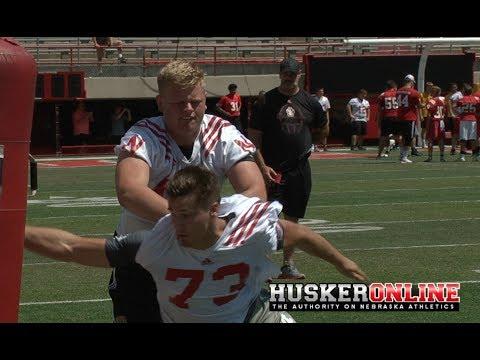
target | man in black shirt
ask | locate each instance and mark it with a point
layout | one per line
(282, 129)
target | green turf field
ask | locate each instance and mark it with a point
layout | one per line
(400, 222)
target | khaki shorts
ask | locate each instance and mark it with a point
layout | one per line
(260, 312)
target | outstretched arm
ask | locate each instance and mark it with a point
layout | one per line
(62, 245)
(304, 238)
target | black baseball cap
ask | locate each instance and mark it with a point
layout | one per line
(290, 65)
(232, 86)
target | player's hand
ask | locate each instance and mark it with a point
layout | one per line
(351, 269)
(269, 174)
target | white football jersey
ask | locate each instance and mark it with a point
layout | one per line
(220, 283)
(454, 98)
(359, 109)
(218, 146)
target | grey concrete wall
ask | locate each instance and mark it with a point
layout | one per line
(146, 87)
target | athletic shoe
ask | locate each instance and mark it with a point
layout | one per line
(290, 272)
(405, 161)
(428, 160)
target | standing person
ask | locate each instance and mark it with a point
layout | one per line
(81, 120)
(453, 95)
(468, 108)
(229, 107)
(408, 113)
(323, 100)
(476, 92)
(358, 110)
(101, 43)
(282, 128)
(425, 98)
(209, 265)
(121, 120)
(435, 123)
(387, 115)
(149, 155)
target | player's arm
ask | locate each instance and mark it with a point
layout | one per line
(62, 245)
(246, 179)
(255, 137)
(302, 237)
(349, 112)
(131, 180)
(220, 109)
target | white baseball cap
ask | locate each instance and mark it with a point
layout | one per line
(410, 77)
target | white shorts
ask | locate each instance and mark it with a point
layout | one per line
(468, 130)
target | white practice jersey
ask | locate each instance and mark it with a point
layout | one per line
(454, 98)
(220, 283)
(218, 146)
(359, 109)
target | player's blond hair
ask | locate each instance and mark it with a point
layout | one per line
(179, 73)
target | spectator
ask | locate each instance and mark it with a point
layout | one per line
(323, 100)
(121, 121)
(81, 120)
(282, 128)
(229, 107)
(101, 43)
(358, 110)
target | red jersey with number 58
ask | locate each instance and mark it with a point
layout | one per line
(408, 101)
(220, 283)
(388, 103)
(468, 107)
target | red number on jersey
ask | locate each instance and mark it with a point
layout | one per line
(242, 270)
(193, 285)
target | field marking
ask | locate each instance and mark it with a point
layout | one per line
(103, 300)
(405, 178)
(397, 203)
(410, 247)
(408, 221)
(70, 216)
(477, 271)
(46, 263)
(63, 302)
(398, 189)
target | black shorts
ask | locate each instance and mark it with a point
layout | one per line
(235, 121)
(406, 129)
(294, 189)
(359, 128)
(387, 125)
(134, 294)
(449, 123)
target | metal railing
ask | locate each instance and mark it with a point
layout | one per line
(74, 53)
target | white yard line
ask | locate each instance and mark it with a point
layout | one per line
(398, 189)
(69, 216)
(396, 203)
(64, 302)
